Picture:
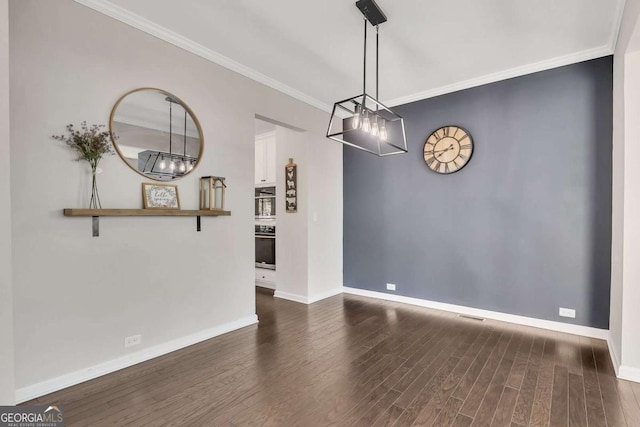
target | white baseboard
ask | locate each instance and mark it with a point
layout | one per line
(54, 384)
(505, 317)
(628, 373)
(623, 372)
(615, 361)
(266, 285)
(307, 300)
(324, 295)
(291, 297)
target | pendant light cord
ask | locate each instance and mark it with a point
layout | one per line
(170, 128)
(364, 67)
(377, 95)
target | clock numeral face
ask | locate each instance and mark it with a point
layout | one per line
(433, 163)
(448, 149)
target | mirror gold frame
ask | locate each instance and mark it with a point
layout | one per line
(187, 109)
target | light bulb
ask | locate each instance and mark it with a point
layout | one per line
(190, 166)
(356, 118)
(172, 166)
(383, 130)
(374, 126)
(366, 123)
(162, 165)
(182, 168)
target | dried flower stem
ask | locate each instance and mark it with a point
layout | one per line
(90, 143)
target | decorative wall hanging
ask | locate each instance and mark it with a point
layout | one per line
(90, 143)
(160, 196)
(291, 186)
(448, 149)
(362, 121)
(212, 189)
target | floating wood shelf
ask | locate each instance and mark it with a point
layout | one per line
(142, 212)
(97, 213)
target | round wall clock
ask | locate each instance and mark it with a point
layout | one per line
(448, 149)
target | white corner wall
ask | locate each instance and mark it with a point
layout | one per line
(309, 241)
(75, 296)
(630, 354)
(325, 217)
(6, 300)
(624, 341)
(292, 238)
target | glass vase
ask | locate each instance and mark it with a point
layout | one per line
(94, 203)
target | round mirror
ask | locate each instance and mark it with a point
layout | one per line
(156, 134)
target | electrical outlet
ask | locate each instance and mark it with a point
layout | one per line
(391, 287)
(567, 312)
(132, 340)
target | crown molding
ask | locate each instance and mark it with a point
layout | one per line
(123, 15)
(136, 21)
(547, 64)
(617, 24)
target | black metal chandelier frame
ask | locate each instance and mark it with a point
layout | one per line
(358, 112)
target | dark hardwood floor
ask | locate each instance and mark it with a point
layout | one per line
(351, 360)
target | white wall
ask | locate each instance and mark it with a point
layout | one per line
(325, 216)
(630, 356)
(625, 271)
(6, 303)
(76, 296)
(292, 239)
(309, 242)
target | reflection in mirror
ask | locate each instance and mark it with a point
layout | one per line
(157, 134)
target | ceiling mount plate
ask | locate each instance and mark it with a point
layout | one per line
(371, 11)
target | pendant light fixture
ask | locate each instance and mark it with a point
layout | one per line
(170, 165)
(362, 121)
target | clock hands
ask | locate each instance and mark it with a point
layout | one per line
(441, 152)
(445, 149)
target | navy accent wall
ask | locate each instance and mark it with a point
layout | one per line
(524, 228)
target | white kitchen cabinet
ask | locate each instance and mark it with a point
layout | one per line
(265, 159)
(266, 278)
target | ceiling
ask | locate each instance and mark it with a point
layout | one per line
(312, 50)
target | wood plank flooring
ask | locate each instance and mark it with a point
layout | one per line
(355, 361)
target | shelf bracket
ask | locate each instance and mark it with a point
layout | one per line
(95, 225)
(198, 228)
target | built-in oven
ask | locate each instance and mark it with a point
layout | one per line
(265, 203)
(266, 246)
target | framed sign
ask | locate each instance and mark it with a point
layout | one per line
(291, 187)
(160, 196)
